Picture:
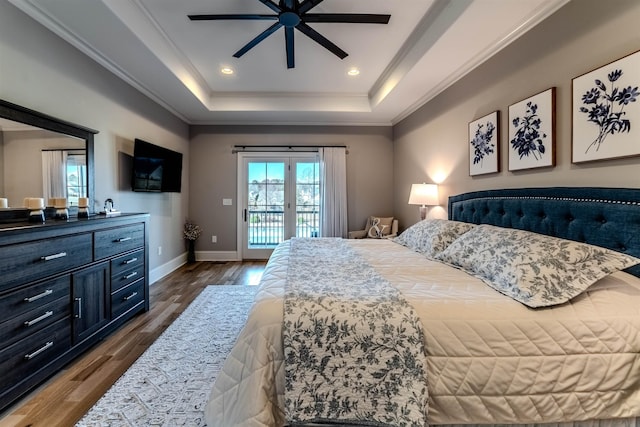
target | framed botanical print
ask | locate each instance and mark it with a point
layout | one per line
(605, 111)
(532, 128)
(484, 141)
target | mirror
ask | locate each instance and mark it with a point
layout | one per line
(41, 156)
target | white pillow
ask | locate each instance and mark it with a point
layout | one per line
(431, 236)
(531, 268)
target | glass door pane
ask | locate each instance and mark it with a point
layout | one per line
(266, 203)
(307, 199)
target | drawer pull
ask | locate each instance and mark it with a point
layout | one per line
(128, 297)
(123, 239)
(129, 261)
(37, 297)
(54, 256)
(38, 351)
(79, 302)
(38, 319)
(130, 275)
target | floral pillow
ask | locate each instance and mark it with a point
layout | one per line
(431, 236)
(534, 269)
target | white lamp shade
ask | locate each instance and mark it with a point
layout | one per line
(424, 194)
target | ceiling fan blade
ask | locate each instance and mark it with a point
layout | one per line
(355, 18)
(322, 40)
(307, 5)
(289, 4)
(240, 16)
(271, 5)
(263, 35)
(288, 38)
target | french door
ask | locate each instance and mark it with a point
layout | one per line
(280, 199)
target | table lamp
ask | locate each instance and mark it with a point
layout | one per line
(424, 195)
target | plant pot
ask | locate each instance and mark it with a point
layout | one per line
(191, 251)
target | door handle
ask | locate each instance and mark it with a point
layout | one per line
(244, 215)
(79, 305)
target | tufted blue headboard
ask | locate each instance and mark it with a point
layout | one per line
(608, 217)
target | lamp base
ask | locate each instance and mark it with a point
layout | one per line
(423, 212)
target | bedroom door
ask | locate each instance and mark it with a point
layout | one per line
(280, 199)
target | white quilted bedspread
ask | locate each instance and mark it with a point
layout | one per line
(490, 359)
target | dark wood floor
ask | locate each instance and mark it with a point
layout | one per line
(63, 400)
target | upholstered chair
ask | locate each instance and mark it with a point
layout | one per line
(377, 228)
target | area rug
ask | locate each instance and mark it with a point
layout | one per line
(169, 384)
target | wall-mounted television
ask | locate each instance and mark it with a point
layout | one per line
(156, 169)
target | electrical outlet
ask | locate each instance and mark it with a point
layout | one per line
(159, 250)
(214, 239)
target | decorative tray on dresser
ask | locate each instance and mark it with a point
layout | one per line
(65, 285)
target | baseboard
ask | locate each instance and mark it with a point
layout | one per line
(217, 256)
(167, 268)
(171, 266)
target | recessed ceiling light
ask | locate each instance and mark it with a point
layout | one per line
(353, 71)
(226, 70)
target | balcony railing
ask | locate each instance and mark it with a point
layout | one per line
(266, 227)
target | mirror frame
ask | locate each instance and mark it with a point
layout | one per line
(25, 115)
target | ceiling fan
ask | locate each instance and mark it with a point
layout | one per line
(292, 14)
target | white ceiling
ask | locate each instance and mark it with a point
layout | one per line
(426, 47)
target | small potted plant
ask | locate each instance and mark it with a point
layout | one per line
(191, 233)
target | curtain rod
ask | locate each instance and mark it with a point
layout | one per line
(239, 148)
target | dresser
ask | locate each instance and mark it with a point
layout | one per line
(65, 285)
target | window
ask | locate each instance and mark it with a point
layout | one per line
(76, 177)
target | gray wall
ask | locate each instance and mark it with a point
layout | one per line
(40, 71)
(213, 172)
(432, 144)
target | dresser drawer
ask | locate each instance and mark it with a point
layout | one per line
(117, 240)
(26, 357)
(126, 298)
(27, 299)
(26, 262)
(124, 278)
(127, 262)
(27, 323)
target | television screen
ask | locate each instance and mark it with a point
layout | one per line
(147, 174)
(156, 168)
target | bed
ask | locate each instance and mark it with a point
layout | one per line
(494, 353)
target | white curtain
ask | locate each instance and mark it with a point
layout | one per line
(333, 192)
(54, 174)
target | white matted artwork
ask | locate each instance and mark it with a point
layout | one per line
(532, 124)
(606, 111)
(484, 141)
